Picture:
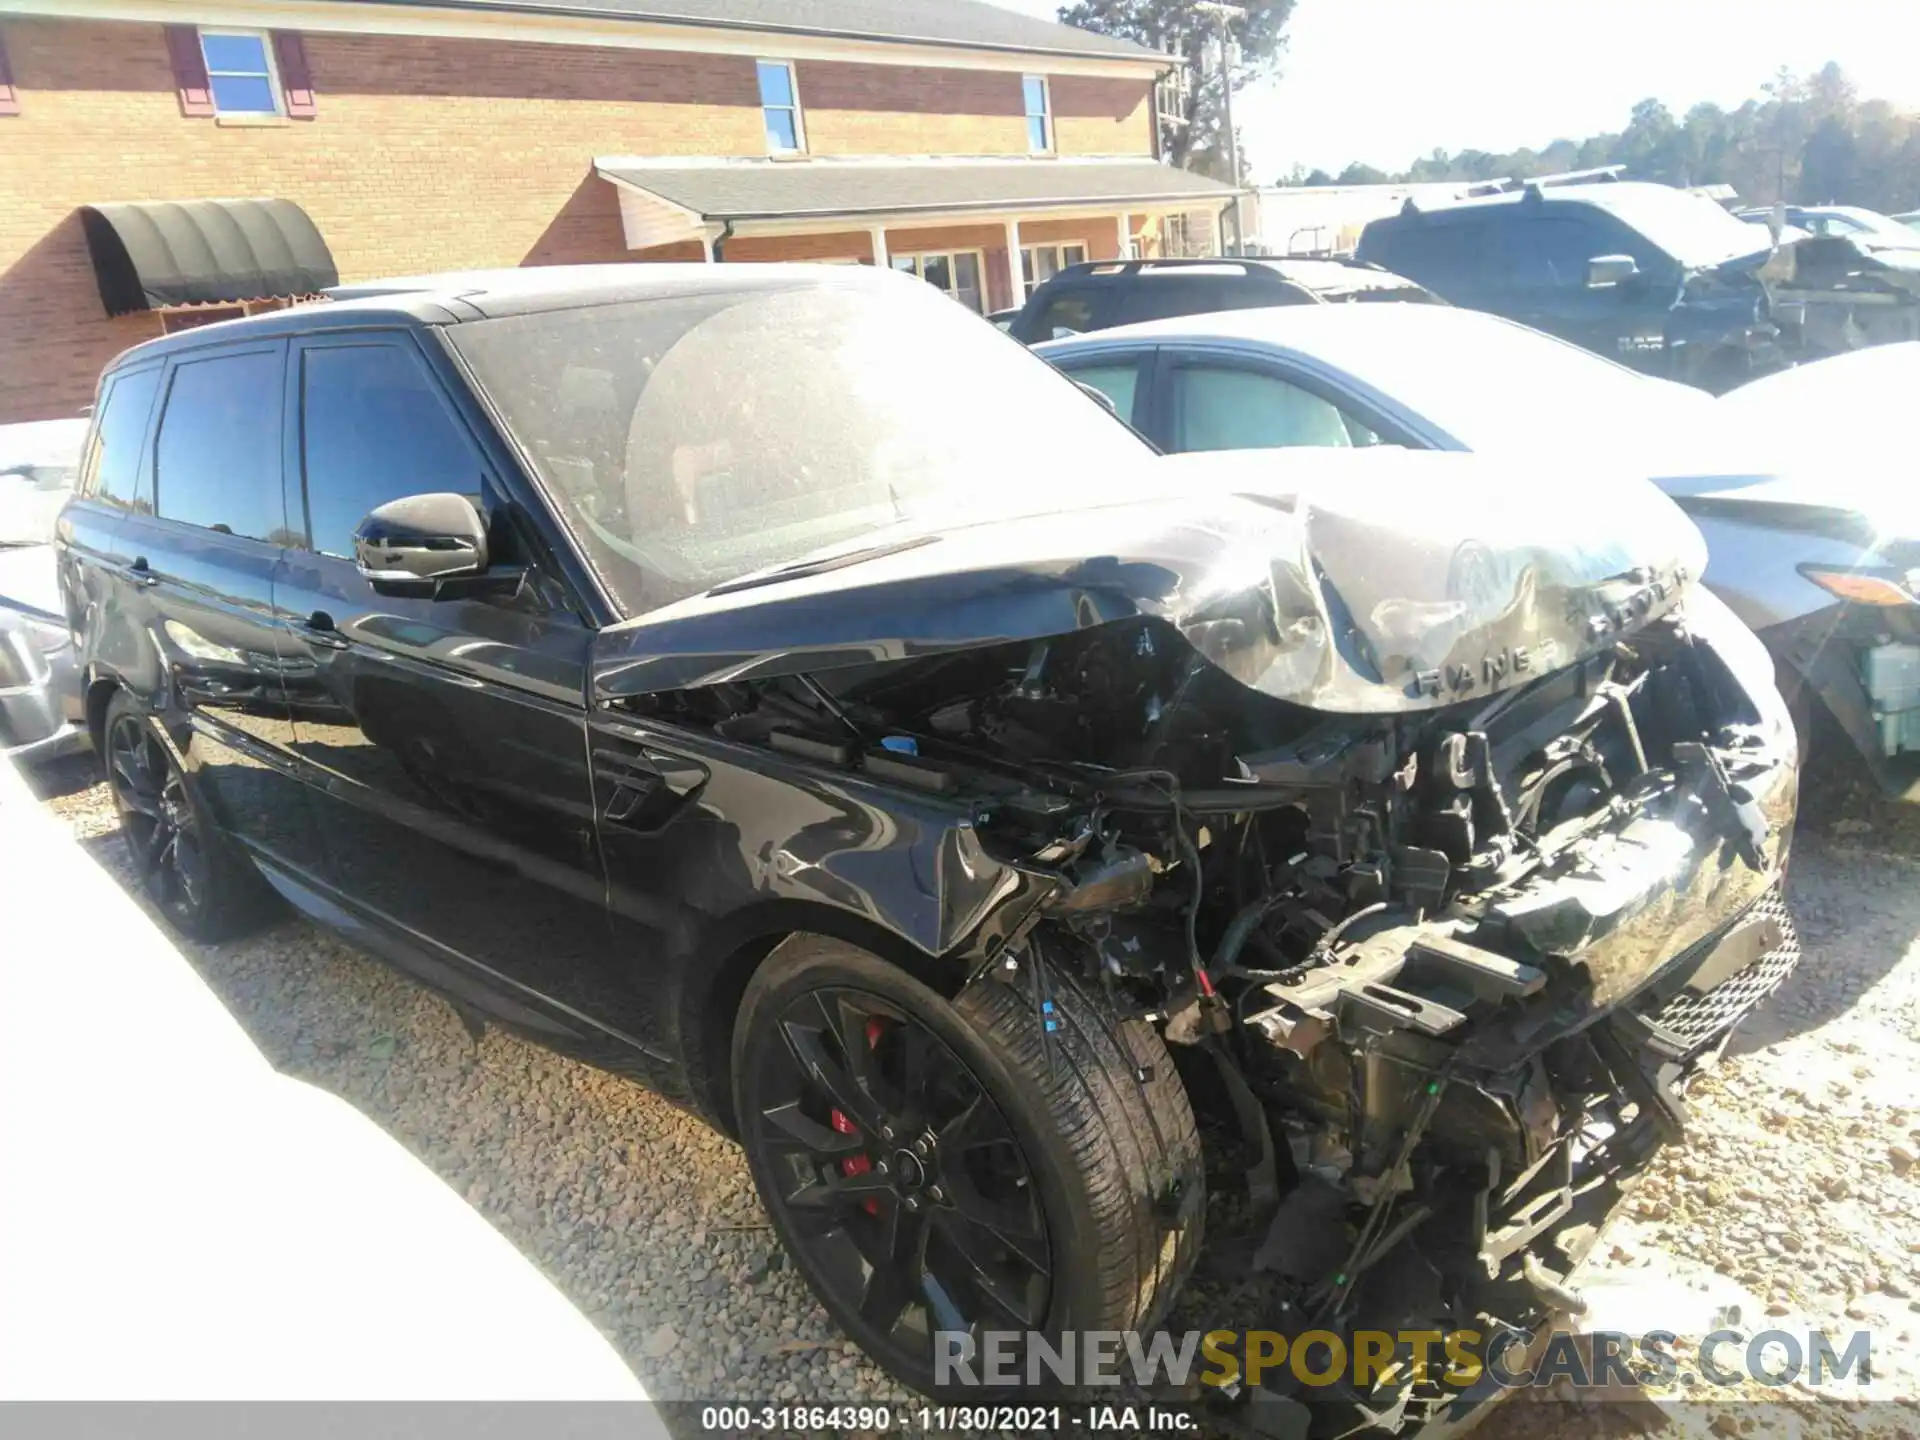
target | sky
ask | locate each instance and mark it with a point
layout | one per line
(1386, 81)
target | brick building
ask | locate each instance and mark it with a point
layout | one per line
(973, 146)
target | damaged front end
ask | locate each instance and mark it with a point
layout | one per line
(1834, 293)
(1439, 855)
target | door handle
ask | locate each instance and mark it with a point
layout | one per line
(136, 572)
(319, 629)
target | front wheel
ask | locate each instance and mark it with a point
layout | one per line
(941, 1170)
(187, 868)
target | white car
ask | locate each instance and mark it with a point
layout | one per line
(39, 461)
(1802, 484)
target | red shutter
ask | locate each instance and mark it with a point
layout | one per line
(290, 53)
(9, 97)
(189, 70)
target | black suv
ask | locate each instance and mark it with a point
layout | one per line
(1657, 278)
(1101, 294)
(768, 682)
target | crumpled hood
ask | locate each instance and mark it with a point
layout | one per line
(1355, 582)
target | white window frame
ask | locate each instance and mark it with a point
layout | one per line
(274, 92)
(920, 257)
(1029, 254)
(799, 116)
(1045, 114)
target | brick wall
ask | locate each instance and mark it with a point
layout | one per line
(427, 154)
(910, 110)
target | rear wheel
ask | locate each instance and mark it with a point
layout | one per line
(953, 1167)
(186, 867)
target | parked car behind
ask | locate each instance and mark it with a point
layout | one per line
(1808, 518)
(1660, 279)
(1104, 293)
(39, 683)
(1869, 226)
(658, 660)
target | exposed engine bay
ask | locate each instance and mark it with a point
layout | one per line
(1431, 978)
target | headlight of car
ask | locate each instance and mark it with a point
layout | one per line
(1866, 585)
(1711, 623)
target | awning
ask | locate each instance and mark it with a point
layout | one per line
(153, 254)
(713, 192)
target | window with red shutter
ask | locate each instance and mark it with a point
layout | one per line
(296, 81)
(189, 70)
(9, 96)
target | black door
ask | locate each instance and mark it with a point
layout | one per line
(1549, 254)
(445, 739)
(201, 646)
(114, 477)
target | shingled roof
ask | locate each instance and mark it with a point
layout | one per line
(971, 24)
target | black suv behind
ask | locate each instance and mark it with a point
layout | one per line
(1104, 293)
(1657, 278)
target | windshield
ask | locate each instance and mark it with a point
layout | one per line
(1691, 228)
(695, 439)
(1494, 385)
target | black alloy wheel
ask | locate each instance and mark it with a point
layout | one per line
(161, 826)
(959, 1166)
(898, 1176)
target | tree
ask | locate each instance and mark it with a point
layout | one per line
(1194, 138)
(1809, 139)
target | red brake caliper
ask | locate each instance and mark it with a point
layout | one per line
(859, 1164)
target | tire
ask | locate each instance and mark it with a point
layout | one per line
(214, 895)
(1100, 1141)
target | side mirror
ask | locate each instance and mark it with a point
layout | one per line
(413, 543)
(1606, 271)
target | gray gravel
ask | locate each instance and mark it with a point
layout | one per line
(1796, 1198)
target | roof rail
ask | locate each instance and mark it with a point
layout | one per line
(1250, 264)
(1599, 174)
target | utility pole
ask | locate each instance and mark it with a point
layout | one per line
(1222, 13)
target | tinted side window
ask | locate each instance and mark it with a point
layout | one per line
(1069, 312)
(1225, 408)
(1442, 254)
(1550, 252)
(374, 428)
(216, 462)
(1118, 380)
(111, 469)
(1162, 298)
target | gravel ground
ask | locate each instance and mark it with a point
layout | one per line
(1795, 1201)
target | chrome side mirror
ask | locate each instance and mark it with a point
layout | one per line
(1606, 271)
(414, 542)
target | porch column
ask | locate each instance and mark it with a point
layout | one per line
(878, 235)
(1016, 271)
(1125, 238)
(706, 243)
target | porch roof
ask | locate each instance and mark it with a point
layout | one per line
(710, 192)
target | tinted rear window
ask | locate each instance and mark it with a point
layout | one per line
(1067, 312)
(113, 459)
(1163, 298)
(216, 462)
